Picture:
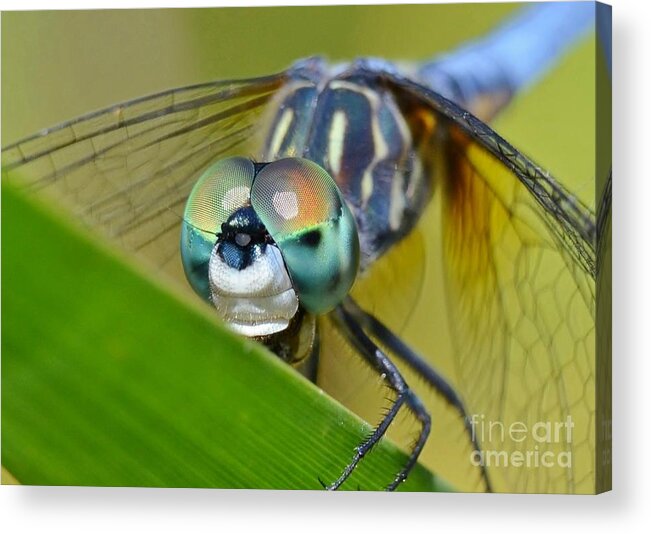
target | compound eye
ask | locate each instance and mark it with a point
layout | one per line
(303, 210)
(223, 188)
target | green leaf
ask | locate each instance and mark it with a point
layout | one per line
(111, 379)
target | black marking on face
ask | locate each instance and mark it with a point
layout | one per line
(311, 238)
(243, 238)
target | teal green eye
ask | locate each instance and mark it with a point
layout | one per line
(220, 191)
(303, 210)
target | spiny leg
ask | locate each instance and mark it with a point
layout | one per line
(369, 442)
(382, 364)
(420, 366)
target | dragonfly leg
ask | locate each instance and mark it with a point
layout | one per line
(405, 396)
(398, 347)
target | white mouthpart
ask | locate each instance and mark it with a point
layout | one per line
(258, 300)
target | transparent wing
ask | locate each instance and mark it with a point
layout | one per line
(128, 169)
(519, 261)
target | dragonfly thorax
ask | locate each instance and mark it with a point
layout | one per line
(364, 137)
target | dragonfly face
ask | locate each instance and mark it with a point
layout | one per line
(259, 238)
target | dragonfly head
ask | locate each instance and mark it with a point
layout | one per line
(260, 240)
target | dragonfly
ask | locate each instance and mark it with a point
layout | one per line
(347, 160)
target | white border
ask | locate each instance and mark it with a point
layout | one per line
(111, 510)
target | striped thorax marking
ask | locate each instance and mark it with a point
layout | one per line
(281, 129)
(379, 147)
(337, 135)
(290, 121)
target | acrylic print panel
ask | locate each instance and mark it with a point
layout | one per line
(335, 266)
